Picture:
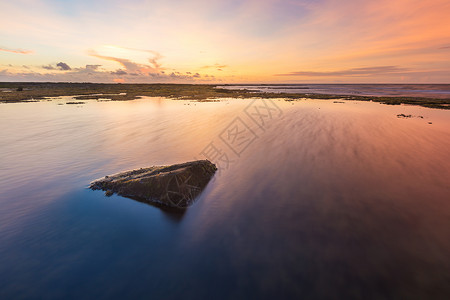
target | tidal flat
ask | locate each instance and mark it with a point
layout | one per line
(18, 92)
(317, 199)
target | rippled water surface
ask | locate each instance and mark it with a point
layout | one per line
(327, 200)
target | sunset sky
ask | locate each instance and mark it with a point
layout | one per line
(235, 41)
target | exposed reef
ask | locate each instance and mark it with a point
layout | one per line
(174, 186)
(33, 91)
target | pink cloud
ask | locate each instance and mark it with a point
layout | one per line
(18, 51)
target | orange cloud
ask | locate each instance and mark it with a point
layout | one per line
(131, 66)
(154, 61)
(18, 51)
(215, 66)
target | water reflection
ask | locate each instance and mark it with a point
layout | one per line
(330, 199)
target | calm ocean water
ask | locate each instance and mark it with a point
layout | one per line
(438, 91)
(324, 201)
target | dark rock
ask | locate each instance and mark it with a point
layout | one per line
(174, 186)
(403, 116)
(75, 102)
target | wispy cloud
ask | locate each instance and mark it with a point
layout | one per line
(154, 60)
(126, 63)
(131, 66)
(354, 72)
(18, 51)
(217, 67)
(48, 67)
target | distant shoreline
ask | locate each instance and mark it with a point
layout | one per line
(13, 92)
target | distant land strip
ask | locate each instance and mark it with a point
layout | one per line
(12, 92)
